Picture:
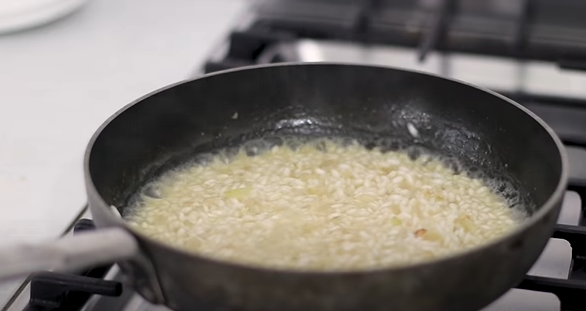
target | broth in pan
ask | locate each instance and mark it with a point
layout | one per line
(325, 207)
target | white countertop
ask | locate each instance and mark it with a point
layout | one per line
(58, 83)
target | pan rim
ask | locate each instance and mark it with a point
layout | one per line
(545, 208)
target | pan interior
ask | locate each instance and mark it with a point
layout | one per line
(468, 128)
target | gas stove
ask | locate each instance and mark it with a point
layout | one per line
(533, 51)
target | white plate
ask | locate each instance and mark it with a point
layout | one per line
(17, 15)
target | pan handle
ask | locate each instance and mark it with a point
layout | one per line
(66, 254)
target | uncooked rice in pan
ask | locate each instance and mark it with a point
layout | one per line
(345, 208)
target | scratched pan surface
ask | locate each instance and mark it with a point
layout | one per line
(473, 129)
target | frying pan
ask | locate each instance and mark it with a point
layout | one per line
(486, 132)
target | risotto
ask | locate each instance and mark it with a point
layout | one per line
(342, 207)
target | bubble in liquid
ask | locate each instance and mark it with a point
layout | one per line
(453, 164)
(412, 130)
(416, 152)
(151, 191)
(475, 172)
